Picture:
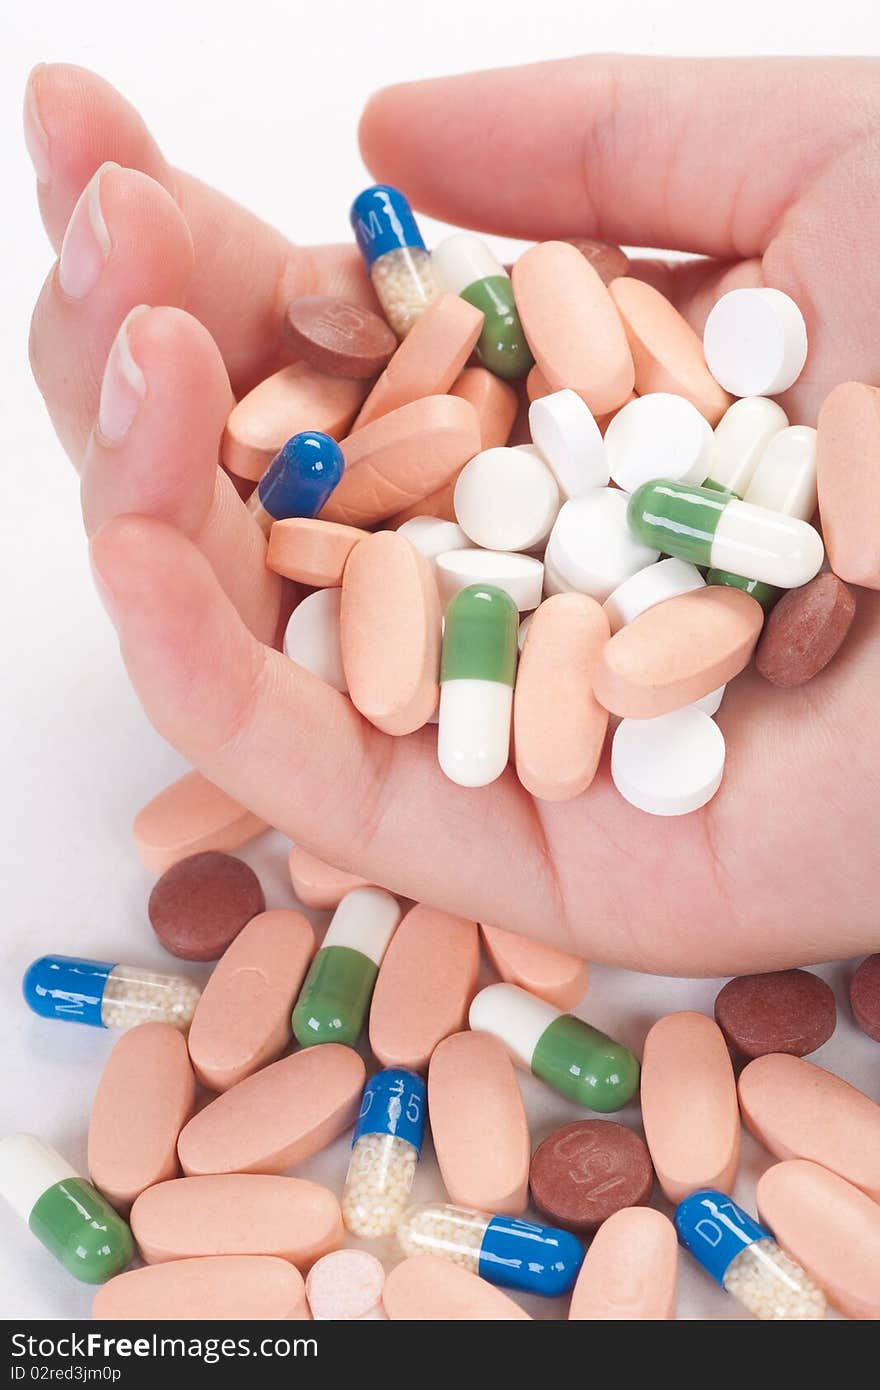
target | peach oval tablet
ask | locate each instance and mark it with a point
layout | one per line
(572, 325)
(829, 1227)
(317, 884)
(630, 1271)
(215, 1289)
(689, 1107)
(677, 652)
(667, 353)
(310, 551)
(428, 360)
(426, 982)
(798, 1110)
(537, 385)
(848, 479)
(237, 1214)
(189, 817)
(401, 457)
(390, 632)
(557, 976)
(278, 1117)
(494, 400)
(146, 1094)
(428, 1289)
(242, 1020)
(478, 1123)
(558, 724)
(296, 398)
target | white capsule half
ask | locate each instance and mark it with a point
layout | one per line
(28, 1168)
(768, 546)
(513, 1016)
(473, 738)
(461, 260)
(364, 921)
(785, 478)
(741, 436)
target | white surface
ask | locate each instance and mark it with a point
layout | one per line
(591, 546)
(287, 81)
(461, 260)
(521, 576)
(565, 432)
(755, 341)
(766, 545)
(433, 536)
(785, 479)
(654, 584)
(513, 1016)
(365, 921)
(506, 499)
(658, 436)
(671, 765)
(312, 637)
(741, 435)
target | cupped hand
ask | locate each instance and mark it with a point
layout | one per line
(770, 170)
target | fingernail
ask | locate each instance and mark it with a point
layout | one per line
(86, 243)
(123, 387)
(35, 137)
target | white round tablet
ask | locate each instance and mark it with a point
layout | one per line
(755, 341)
(433, 536)
(591, 547)
(521, 576)
(711, 703)
(311, 637)
(668, 766)
(506, 499)
(647, 587)
(524, 626)
(741, 436)
(554, 583)
(785, 478)
(566, 434)
(658, 436)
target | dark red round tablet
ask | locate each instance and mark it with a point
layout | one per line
(805, 630)
(864, 995)
(200, 904)
(783, 1011)
(337, 337)
(584, 1172)
(608, 261)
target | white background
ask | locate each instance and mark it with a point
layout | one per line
(262, 99)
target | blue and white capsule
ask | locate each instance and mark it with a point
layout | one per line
(745, 1260)
(501, 1249)
(395, 255)
(385, 1151)
(299, 479)
(101, 994)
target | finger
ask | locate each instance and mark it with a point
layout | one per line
(126, 244)
(680, 154)
(154, 448)
(246, 272)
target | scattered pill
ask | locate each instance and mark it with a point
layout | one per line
(214, 1289)
(608, 261)
(506, 499)
(566, 435)
(783, 1011)
(755, 341)
(591, 546)
(464, 265)
(557, 976)
(317, 884)
(189, 816)
(658, 436)
(200, 904)
(689, 1107)
(298, 481)
(521, 577)
(103, 995)
(583, 1173)
(334, 1000)
(477, 674)
(741, 436)
(649, 586)
(785, 477)
(668, 766)
(630, 1271)
(65, 1213)
(805, 631)
(745, 1260)
(394, 253)
(848, 476)
(537, 386)
(428, 1289)
(278, 1117)
(311, 551)
(426, 981)
(494, 401)
(386, 1149)
(146, 1094)
(429, 359)
(237, 1214)
(575, 1059)
(711, 703)
(338, 337)
(500, 1249)
(864, 996)
(346, 1286)
(313, 637)
(296, 398)
(432, 536)
(242, 1021)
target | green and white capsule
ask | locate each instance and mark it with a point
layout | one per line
(575, 1059)
(464, 265)
(477, 674)
(717, 530)
(336, 994)
(66, 1214)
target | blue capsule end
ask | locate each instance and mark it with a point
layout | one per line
(382, 220)
(523, 1255)
(715, 1229)
(301, 476)
(67, 988)
(393, 1102)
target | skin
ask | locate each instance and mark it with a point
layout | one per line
(779, 869)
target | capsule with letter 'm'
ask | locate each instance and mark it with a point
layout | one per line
(334, 999)
(64, 1212)
(105, 995)
(299, 479)
(745, 1260)
(464, 265)
(573, 1058)
(395, 255)
(501, 1249)
(477, 674)
(387, 1144)
(715, 529)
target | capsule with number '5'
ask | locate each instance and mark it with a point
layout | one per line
(334, 999)
(387, 1144)
(477, 674)
(501, 1249)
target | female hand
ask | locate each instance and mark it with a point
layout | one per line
(768, 168)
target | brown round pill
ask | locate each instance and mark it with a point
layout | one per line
(584, 1172)
(338, 337)
(804, 630)
(864, 996)
(608, 261)
(200, 904)
(783, 1011)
